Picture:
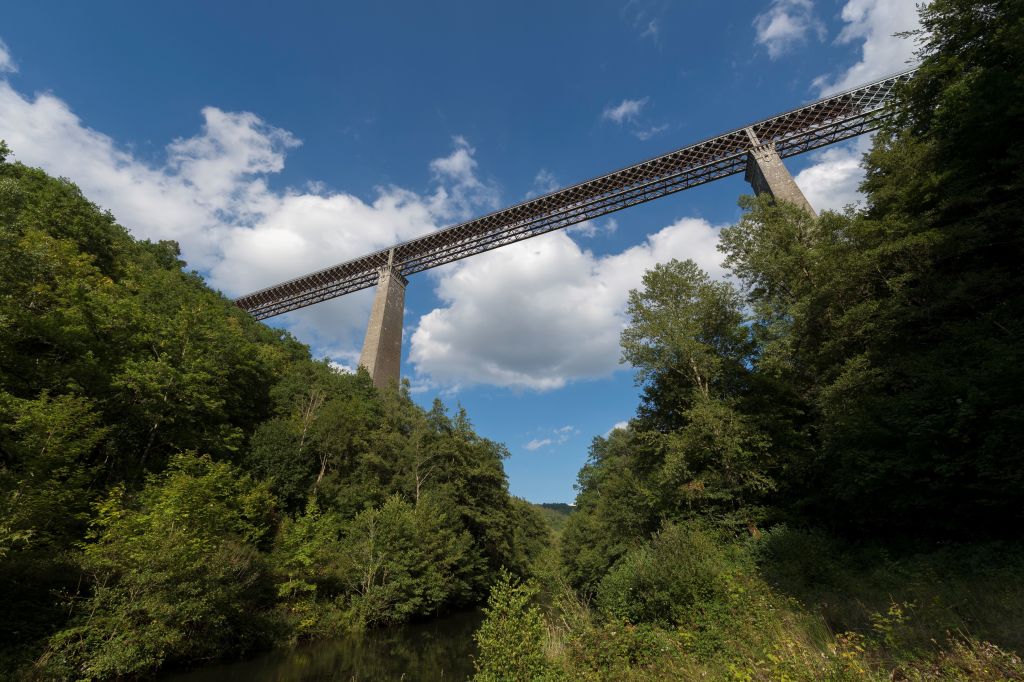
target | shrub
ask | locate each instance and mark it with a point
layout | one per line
(795, 559)
(682, 569)
(511, 638)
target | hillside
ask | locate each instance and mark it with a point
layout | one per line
(182, 483)
(556, 514)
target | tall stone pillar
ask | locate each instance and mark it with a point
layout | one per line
(382, 348)
(768, 175)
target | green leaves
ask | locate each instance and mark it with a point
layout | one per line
(865, 371)
(512, 636)
(685, 326)
(176, 574)
(699, 447)
(113, 363)
(405, 561)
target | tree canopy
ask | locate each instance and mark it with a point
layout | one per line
(181, 482)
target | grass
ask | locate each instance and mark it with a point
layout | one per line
(799, 606)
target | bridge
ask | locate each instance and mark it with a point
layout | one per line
(756, 149)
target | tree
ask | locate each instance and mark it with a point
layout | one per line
(176, 576)
(511, 638)
(686, 332)
(406, 561)
(895, 326)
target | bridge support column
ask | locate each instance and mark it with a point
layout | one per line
(382, 348)
(768, 175)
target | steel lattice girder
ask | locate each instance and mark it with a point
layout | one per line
(815, 125)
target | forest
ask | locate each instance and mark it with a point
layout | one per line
(823, 480)
(181, 483)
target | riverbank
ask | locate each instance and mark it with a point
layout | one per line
(786, 606)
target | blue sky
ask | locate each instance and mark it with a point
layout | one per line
(271, 140)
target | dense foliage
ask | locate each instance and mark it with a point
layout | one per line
(863, 373)
(181, 483)
(846, 404)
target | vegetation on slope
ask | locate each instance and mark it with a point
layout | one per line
(181, 483)
(556, 514)
(823, 480)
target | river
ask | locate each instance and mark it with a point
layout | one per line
(439, 650)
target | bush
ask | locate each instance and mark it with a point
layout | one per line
(794, 559)
(511, 638)
(613, 650)
(683, 569)
(310, 568)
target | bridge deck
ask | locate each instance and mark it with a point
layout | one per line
(815, 125)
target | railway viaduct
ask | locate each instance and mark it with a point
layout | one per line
(756, 149)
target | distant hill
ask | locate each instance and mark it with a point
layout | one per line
(554, 513)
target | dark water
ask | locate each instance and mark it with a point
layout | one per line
(439, 650)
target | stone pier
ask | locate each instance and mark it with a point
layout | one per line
(768, 175)
(382, 348)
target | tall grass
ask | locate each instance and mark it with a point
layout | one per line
(789, 606)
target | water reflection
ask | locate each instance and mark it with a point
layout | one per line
(439, 650)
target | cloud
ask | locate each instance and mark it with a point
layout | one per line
(461, 193)
(786, 24)
(7, 64)
(616, 425)
(561, 435)
(832, 182)
(544, 182)
(649, 132)
(541, 313)
(211, 194)
(644, 16)
(592, 228)
(874, 22)
(652, 31)
(342, 369)
(625, 112)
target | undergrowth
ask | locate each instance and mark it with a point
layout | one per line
(789, 606)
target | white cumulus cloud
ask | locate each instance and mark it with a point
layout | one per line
(541, 313)
(211, 194)
(832, 181)
(786, 24)
(617, 425)
(874, 23)
(461, 193)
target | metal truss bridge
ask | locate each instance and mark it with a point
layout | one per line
(809, 127)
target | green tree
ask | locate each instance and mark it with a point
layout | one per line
(511, 638)
(894, 327)
(685, 339)
(405, 561)
(176, 575)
